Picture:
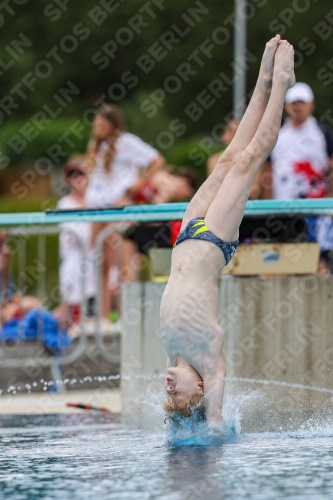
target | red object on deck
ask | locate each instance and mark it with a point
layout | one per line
(83, 406)
(175, 226)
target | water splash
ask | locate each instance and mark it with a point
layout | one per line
(191, 432)
(280, 384)
(145, 409)
(231, 412)
(245, 409)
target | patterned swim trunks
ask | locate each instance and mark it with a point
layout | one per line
(196, 229)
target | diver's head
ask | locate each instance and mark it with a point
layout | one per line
(185, 392)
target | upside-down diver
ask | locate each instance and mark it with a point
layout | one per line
(189, 316)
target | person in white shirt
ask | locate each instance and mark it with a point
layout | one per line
(301, 164)
(120, 164)
(303, 156)
(72, 267)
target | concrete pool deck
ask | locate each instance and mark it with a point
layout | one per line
(45, 403)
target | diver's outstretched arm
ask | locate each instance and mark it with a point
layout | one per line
(214, 379)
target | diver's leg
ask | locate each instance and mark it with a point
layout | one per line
(247, 128)
(227, 209)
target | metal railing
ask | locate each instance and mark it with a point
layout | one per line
(163, 212)
(22, 259)
(30, 224)
(21, 234)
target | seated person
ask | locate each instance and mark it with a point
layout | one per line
(189, 317)
(165, 186)
(24, 318)
(177, 184)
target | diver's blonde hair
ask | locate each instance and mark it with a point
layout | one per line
(176, 405)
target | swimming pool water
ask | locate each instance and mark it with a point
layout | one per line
(84, 456)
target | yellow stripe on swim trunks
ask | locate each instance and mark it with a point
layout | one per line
(200, 223)
(201, 229)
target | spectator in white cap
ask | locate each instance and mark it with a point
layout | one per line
(302, 160)
(301, 164)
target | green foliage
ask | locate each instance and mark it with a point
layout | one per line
(193, 152)
(45, 144)
(100, 55)
(146, 129)
(9, 205)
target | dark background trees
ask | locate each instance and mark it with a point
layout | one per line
(153, 58)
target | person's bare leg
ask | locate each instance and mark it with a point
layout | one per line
(96, 228)
(106, 294)
(258, 103)
(109, 261)
(227, 209)
(247, 128)
(129, 254)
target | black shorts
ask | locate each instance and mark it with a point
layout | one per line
(147, 236)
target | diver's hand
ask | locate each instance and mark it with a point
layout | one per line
(215, 432)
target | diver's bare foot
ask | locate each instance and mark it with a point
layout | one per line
(267, 63)
(284, 64)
